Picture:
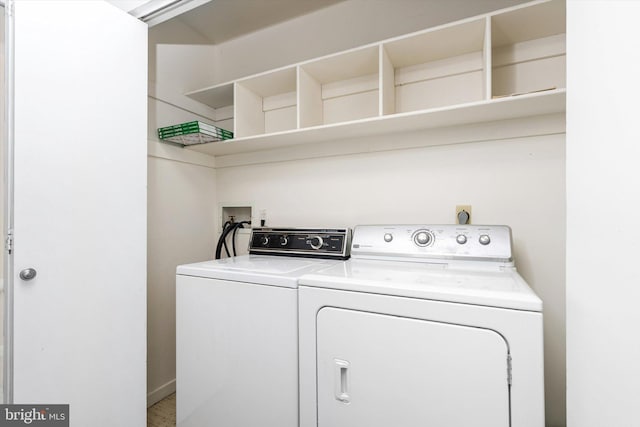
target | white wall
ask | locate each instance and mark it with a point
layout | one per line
(603, 148)
(179, 60)
(181, 206)
(181, 198)
(181, 203)
(177, 68)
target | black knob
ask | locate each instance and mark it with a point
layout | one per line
(264, 241)
(316, 242)
(284, 240)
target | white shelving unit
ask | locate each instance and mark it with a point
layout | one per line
(503, 65)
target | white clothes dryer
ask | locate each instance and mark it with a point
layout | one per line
(425, 325)
(237, 329)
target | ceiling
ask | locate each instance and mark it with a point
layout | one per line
(222, 20)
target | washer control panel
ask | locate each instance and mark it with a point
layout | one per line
(452, 242)
(307, 242)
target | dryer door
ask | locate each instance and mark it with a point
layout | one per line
(378, 370)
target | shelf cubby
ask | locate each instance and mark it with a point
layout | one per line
(339, 88)
(220, 98)
(529, 49)
(435, 68)
(266, 103)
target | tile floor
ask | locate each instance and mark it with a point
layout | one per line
(163, 413)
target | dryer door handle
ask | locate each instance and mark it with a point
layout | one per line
(341, 380)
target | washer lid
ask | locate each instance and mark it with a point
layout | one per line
(433, 281)
(258, 269)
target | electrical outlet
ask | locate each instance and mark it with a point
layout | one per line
(460, 214)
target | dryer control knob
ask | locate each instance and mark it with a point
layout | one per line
(422, 238)
(264, 241)
(388, 237)
(284, 240)
(461, 238)
(316, 242)
(484, 239)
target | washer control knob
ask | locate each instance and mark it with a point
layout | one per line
(422, 238)
(484, 239)
(316, 242)
(264, 241)
(284, 240)
(461, 238)
(388, 237)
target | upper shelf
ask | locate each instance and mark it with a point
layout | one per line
(217, 96)
(464, 72)
(482, 111)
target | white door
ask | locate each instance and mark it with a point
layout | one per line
(79, 210)
(377, 370)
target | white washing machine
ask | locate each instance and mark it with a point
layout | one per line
(423, 326)
(237, 329)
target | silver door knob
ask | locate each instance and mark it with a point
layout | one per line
(28, 273)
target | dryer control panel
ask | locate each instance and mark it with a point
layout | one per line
(424, 242)
(306, 242)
